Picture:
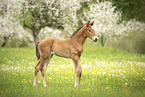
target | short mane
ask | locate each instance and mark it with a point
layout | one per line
(76, 31)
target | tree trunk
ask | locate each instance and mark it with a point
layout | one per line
(35, 33)
(4, 44)
(5, 41)
(102, 40)
(36, 39)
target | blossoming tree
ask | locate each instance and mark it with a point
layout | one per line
(9, 26)
(11, 29)
(36, 14)
(107, 23)
(60, 14)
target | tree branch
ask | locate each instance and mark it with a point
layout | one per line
(23, 13)
(44, 25)
(27, 26)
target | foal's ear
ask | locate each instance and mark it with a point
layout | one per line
(88, 23)
(92, 23)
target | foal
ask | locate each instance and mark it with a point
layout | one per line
(69, 48)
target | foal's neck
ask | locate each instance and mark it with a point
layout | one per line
(79, 36)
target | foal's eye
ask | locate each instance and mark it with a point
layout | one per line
(89, 30)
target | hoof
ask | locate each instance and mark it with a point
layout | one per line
(76, 86)
(34, 85)
(45, 85)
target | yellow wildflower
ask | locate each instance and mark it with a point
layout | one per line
(2, 92)
(87, 89)
(107, 87)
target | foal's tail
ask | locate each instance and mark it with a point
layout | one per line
(37, 52)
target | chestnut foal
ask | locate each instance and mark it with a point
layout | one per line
(69, 48)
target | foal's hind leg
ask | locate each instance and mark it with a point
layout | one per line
(36, 74)
(39, 66)
(43, 71)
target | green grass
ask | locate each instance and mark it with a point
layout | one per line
(107, 72)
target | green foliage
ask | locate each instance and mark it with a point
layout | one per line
(130, 9)
(106, 72)
(28, 20)
(19, 43)
(135, 42)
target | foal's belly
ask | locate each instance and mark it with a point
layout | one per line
(62, 52)
(61, 48)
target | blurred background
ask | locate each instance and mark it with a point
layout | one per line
(118, 23)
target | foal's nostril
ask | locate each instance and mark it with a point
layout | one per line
(95, 40)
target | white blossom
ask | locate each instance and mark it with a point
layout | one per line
(106, 21)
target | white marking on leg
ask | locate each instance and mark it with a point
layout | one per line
(44, 72)
(77, 77)
(35, 79)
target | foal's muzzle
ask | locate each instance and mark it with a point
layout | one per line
(95, 38)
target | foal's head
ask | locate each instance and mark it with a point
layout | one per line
(90, 32)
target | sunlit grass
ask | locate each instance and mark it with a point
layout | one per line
(106, 72)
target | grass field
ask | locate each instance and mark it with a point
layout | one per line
(107, 72)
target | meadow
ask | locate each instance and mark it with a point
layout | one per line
(107, 72)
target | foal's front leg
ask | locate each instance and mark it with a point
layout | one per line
(78, 70)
